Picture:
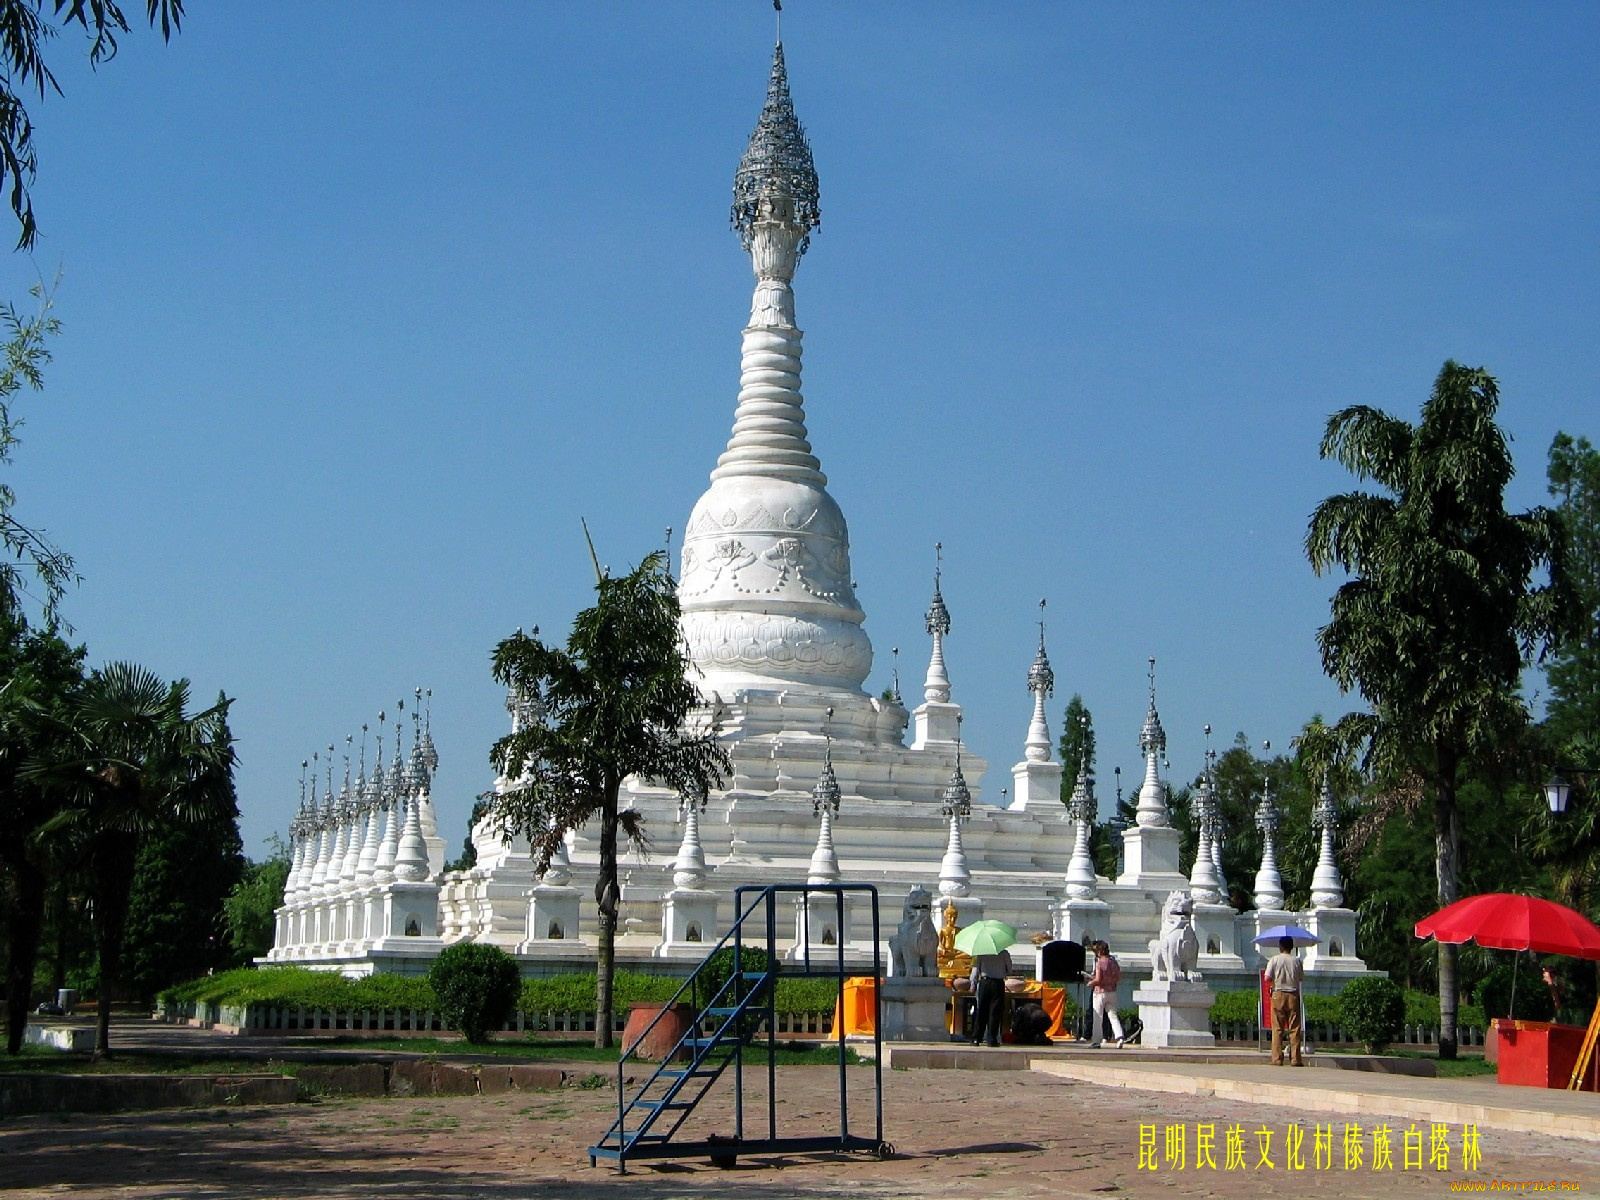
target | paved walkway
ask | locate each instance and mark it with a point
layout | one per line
(1320, 1088)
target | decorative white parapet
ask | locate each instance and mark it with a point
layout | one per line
(689, 910)
(1150, 845)
(1082, 883)
(1213, 917)
(552, 904)
(411, 859)
(1327, 888)
(1336, 953)
(1036, 780)
(1082, 915)
(1269, 884)
(955, 877)
(822, 919)
(936, 722)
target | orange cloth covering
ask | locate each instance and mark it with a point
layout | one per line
(860, 993)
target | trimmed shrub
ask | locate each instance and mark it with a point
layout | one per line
(1533, 998)
(1321, 1010)
(805, 994)
(1374, 1011)
(477, 987)
(719, 968)
(1236, 1008)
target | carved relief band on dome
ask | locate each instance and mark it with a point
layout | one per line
(814, 568)
(781, 646)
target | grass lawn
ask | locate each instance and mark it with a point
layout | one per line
(285, 1061)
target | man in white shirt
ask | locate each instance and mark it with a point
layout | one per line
(988, 978)
(1285, 975)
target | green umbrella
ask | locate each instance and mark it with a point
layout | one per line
(985, 937)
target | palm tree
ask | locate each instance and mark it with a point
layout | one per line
(1441, 613)
(41, 674)
(132, 760)
(615, 703)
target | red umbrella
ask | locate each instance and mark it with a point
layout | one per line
(1503, 921)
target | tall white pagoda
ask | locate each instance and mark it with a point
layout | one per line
(824, 783)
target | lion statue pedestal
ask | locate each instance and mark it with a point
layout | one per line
(913, 1009)
(1175, 1006)
(1176, 1013)
(912, 1000)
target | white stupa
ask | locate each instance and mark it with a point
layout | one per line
(778, 647)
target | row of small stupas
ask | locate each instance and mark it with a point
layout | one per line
(824, 785)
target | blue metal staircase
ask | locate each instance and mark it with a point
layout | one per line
(719, 1037)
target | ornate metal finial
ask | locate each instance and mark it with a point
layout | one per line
(826, 795)
(938, 616)
(1041, 679)
(957, 796)
(693, 796)
(430, 755)
(1152, 737)
(894, 676)
(1267, 809)
(1325, 813)
(1082, 806)
(777, 180)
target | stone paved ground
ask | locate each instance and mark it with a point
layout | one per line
(995, 1135)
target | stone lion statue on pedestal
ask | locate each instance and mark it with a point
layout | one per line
(1176, 953)
(914, 946)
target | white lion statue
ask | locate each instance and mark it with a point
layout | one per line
(914, 947)
(1176, 953)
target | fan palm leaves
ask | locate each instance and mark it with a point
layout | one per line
(129, 757)
(40, 674)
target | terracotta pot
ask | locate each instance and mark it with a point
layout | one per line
(661, 1037)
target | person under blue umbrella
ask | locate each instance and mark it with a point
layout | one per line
(1285, 976)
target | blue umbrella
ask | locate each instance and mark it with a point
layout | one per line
(1302, 937)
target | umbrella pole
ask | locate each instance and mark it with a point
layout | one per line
(1516, 957)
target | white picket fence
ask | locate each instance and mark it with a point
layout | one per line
(263, 1018)
(1322, 1034)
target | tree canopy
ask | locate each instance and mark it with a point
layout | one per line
(1573, 671)
(615, 702)
(25, 27)
(1443, 609)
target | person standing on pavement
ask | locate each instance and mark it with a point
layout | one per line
(1285, 975)
(1103, 981)
(989, 973)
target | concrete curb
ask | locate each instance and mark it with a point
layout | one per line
(49, 1093)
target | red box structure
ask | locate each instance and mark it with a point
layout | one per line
(1542, 1054)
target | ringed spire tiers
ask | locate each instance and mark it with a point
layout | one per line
(766, 588)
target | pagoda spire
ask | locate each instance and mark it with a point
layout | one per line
(775, 208)
(1041, 682)
(1152, 808)
(936, 687)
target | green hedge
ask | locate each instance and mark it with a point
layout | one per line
(1422, 1009)
(302, 988)
(297, 987)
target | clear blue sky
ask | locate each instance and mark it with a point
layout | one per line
(367, 305)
